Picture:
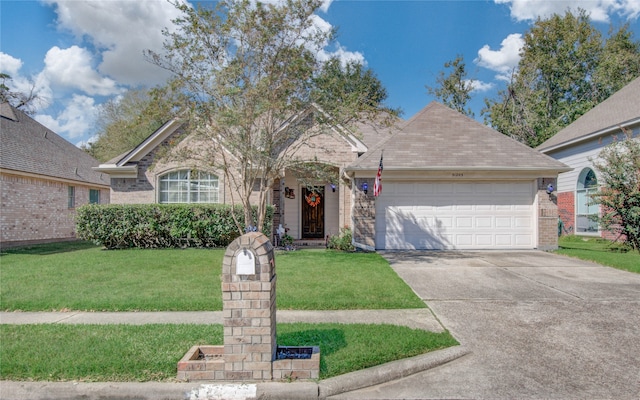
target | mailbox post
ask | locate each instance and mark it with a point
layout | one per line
(249, 308)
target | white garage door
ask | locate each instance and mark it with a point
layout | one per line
(423, 215)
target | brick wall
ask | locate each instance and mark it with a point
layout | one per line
(36, 210)
(364, 212)
(547, 216)
(566, 210)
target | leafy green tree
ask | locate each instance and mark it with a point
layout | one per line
(454, 89)
(619, 192)
(619, 63)
(125, 121)
(250, 69)
(350, 92)
(565, 69)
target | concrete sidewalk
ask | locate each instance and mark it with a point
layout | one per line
(417, 318)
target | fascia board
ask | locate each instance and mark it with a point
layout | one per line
(151, 142)
(116, 171)
(595, 135)
(52, 178)
(458, 174)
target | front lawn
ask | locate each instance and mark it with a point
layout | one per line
(599, 250)
(80, 276)
(116, 353)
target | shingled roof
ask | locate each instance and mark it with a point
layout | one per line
(620, 109)
(439, 138)
(29, 147)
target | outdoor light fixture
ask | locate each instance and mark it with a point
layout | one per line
(333, 187)
(549, 188)
(365, 187)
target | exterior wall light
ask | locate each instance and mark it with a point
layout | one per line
(365, 187)
(333, 187)
(550, 188)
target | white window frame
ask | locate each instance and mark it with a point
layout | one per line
(583, 209)
(188, 186)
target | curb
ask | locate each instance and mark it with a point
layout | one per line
(388, 372)
(10, 390)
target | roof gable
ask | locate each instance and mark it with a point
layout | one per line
(619, 110)
(29, 147)
(439, 138)
(125, 165)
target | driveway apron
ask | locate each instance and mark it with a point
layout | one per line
(538, 325)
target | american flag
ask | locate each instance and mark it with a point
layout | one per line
(377, 186)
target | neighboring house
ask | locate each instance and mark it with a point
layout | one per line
(580, 143)
(449, 183)
(44, 178)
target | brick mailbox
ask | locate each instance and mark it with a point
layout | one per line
(250, 351)
(249, 308)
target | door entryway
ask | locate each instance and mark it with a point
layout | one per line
(313, 213)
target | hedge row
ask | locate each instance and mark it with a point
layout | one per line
(161, 225)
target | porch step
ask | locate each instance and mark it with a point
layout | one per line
(310, 244)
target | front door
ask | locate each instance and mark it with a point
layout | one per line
(313, 213)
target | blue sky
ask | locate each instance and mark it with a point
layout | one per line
(78, 53)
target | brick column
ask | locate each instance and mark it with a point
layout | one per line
(547, 215)
(249, 308)
(364, 215)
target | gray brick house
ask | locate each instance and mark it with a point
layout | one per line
(449, 182)
(43, 179)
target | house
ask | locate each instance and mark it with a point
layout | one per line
(44, 178)
(579, 143)
(449, 183)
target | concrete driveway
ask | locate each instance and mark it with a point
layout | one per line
(538, 326)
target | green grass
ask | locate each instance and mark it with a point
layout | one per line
(80, 276)
(601, 251)
(116, 353)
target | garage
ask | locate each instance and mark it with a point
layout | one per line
(455, 215)
(450, 182)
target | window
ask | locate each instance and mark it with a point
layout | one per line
(585, 209)
(71, 197)
(94, 196)
(188, 186)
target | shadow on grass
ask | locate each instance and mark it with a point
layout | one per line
(49, 248)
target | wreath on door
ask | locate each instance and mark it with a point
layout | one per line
(313, 199)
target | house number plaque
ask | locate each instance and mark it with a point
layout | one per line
(245, 263)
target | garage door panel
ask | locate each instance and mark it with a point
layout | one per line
(455, 215)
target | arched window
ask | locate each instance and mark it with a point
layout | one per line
(188, 186)
(585, 209)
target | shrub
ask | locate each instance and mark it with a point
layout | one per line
(342, 242)
(160, 225)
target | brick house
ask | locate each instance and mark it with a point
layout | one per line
(449, 183)
(579, 143)
(44, 178)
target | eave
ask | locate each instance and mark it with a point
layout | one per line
(592, 136)
(116, 171)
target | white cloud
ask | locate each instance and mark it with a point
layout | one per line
(325, 53)
(71, 68)
(324, 7)
(479, 86)
(504, 60)
(23, 84)
(9, 65)
(120, 30)
(599, 10)
(75, 121)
